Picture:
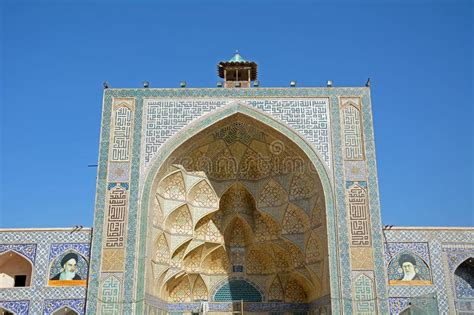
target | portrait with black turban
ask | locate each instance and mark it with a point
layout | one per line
(68, 268)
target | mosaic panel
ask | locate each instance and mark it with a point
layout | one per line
(110, 296)
(457, 255)
(165, 117)
(364, 297)
(236, 290)
(17, 307)
(397, 305)
(359, 220)
(122, 121)
(362, 258)
(27, 250)
(419, 248)
(352, 130)
(119, 171)
(59, 248)
(116, 217)
(432, 245)
(355, 171)
(113, 259)
(50, 306)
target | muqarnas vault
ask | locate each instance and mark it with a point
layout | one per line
(237, 199)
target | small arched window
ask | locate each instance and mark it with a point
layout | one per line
(15, 270)
(65, 311)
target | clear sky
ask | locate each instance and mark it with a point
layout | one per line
(56, 54)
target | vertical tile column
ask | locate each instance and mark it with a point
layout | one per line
(357, 203)
(116, 207)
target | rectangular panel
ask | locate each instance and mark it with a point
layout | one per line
(165, 117)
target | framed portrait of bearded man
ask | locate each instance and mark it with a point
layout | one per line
(408, 268)
(68, 269)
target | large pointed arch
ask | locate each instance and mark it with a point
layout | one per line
(203, 123)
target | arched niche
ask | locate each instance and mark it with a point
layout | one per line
(15, 270)
(269, 180)
(464, 279)
(65, 311)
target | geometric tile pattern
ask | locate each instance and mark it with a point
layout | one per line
(397, 305)
(164, 118)
(433, 245)
(418, 248)
(118, 171)
(235, 290)
(364, 295)
(50, 306)
(59, 248)
(17, 307)
(27, 250)
(110, 296)
(355, 171)
(48, 244)
(362, 258)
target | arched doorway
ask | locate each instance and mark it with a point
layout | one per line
(237, 200)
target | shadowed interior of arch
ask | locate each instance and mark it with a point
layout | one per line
(15, 270)
(65, 310)
(235, 207)
(464, 276)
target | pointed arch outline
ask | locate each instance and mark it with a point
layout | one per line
(65, 307)
(461, 260)
(202, 123)
(32, 274)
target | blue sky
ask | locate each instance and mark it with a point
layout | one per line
(56, 54)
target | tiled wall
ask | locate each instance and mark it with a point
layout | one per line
(442, 250)
(42, 248)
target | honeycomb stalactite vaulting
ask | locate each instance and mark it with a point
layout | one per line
(241, 205)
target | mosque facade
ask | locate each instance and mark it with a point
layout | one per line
(237, 199)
